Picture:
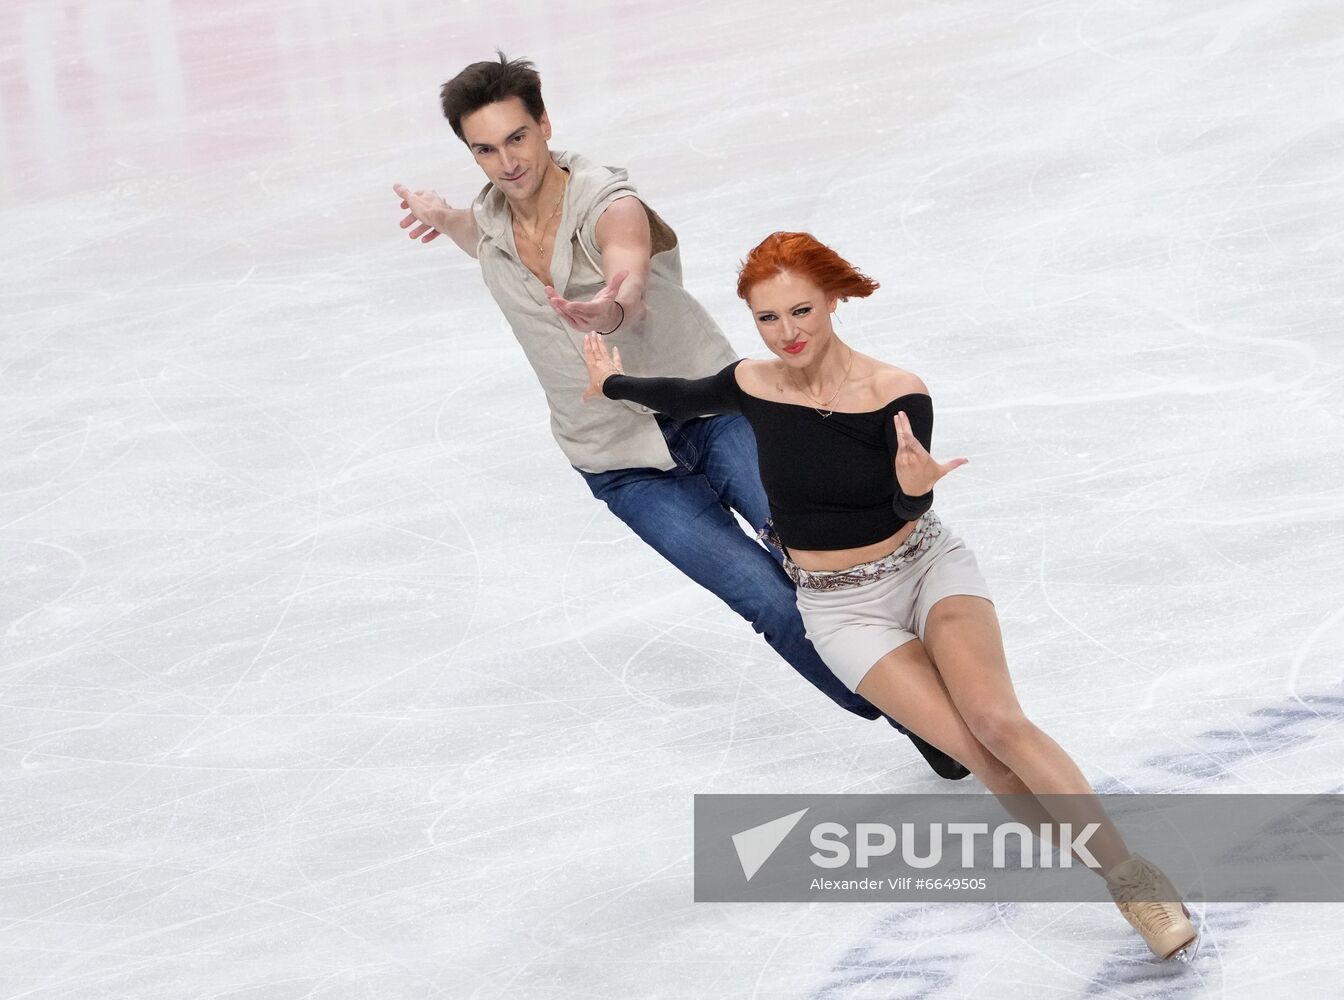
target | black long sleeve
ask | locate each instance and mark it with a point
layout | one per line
(682, 398)
(829, 479)
(919, 408)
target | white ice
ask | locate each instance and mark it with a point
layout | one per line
(323, 676)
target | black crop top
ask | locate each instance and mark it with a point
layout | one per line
(830, 481)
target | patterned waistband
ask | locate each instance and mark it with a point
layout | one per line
(927, 530)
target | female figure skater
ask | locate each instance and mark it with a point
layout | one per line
(892, 599)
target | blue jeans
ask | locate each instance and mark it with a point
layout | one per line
(684, 513)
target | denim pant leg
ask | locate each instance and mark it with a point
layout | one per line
(727, 457)
(681, 516)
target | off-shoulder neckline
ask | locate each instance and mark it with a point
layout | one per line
(805, 406)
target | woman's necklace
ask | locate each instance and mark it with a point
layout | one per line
(541, 243)
(822, 408)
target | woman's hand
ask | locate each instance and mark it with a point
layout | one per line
(601, 365)
(916, 469)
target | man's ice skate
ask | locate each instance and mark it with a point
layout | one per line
(943, 765)
(1150, 903)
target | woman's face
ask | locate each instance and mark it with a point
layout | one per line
(793, 317)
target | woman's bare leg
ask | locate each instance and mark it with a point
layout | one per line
(993, 738)
(963, 640)
(906, 686)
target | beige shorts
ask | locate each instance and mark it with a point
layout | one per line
(856, 616)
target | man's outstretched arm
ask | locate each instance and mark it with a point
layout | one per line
(626, 244)
(431, 215)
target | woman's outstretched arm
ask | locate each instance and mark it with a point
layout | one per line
(681, 398)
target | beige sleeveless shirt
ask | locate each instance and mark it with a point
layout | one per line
(677, 338)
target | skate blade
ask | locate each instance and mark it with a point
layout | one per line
(1186, 953)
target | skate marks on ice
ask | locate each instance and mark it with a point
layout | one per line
(1145, 978)
(1259, 740)
(1006, 950)
(946, 951)
(947, 939)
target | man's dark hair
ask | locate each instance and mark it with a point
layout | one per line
(485, 83)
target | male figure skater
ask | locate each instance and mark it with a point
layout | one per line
(553, 220)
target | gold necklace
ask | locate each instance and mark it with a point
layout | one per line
(821, 410)
(541, 243)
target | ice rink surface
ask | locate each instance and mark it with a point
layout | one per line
(322, 675)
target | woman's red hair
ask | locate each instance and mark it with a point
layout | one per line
(806, 256)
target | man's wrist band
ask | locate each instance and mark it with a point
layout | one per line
(608, 333)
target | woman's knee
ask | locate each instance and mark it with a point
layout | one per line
(905, 685)
(1002, 729)
(978, 759)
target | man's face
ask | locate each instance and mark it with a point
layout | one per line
(510, 146)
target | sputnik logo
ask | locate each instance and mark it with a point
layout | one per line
(755, 846)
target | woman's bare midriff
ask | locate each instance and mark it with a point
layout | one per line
(829, 560)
